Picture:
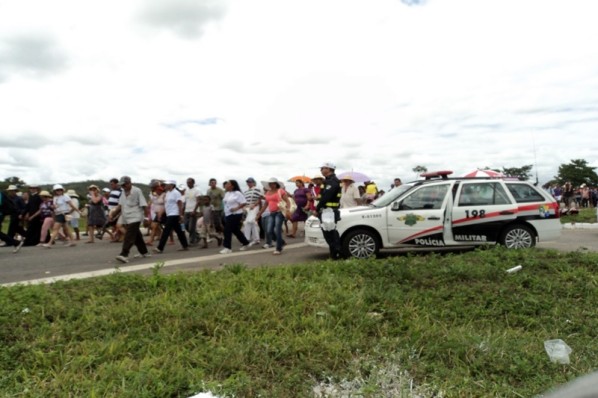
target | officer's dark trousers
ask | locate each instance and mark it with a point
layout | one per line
(334, 243)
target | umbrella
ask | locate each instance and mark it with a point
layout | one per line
(354, 175)
(484, 173)
(305, 179)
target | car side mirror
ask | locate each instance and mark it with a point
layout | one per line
(396, 206)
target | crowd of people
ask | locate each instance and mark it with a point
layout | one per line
(258, 214)
(573, 198)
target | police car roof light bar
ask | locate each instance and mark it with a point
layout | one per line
(437, 174)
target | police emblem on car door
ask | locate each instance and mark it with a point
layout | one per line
(418, 218)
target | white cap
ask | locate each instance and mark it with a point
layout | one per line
(12, 188)
(173, 182)
(328, 165)
(56, 187)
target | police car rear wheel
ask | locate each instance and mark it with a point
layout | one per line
(360, 244)
(518, 237)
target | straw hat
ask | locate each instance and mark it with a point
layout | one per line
(12, 188)
(93, 186)
(273, 180)
(72, 193)
(46, 194)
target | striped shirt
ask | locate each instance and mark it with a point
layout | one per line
(114, 198)
(252, 195)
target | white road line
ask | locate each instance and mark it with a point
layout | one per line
(139, 267)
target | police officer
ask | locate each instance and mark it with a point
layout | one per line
(328, 208)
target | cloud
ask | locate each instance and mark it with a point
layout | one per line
(24, 140)
(414, 2)
(186, 18)
(31, 54)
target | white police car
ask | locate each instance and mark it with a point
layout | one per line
(445, 212)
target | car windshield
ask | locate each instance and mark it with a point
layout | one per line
(390, 196)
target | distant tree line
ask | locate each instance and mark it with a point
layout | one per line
(577, 172)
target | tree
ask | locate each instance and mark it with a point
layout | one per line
(12, 181)
(577, 172)
(523, 173)
(419, 169)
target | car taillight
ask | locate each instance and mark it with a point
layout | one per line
(557, 209)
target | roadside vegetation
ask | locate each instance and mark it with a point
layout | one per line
(447, 325)
(584, 216)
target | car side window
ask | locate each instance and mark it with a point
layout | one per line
(483, 194)
(524, 193)
(425, 198)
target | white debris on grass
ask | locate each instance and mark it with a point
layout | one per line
(204, 395)
(387, 380)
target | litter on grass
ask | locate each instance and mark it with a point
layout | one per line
(558, 351)
(514, 269)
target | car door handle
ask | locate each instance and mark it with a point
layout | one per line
(433, 218)
(506, 213)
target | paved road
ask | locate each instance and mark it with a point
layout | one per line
(35, 264)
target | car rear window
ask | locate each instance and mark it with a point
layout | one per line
(524, 193)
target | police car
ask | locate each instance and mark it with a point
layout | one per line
(446, 212)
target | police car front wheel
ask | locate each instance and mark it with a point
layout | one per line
(518, 236)
(360, 243)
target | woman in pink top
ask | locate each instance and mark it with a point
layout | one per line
(274, 228)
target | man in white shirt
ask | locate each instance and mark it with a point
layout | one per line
(192, 203)
(174, 209)
(132, 208)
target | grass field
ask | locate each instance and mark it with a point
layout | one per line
(450, 325)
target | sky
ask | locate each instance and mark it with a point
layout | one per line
(273, 88)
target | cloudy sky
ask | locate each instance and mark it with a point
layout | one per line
(262, 88)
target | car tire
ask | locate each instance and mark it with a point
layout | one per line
(518, 236)
(360, 243)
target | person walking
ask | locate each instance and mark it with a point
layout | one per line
(234, 202)
(328, 209)
(131, 210)
(157, 214)
(96, 217)
(192, 203)
(63, 205)
(16, 216)
(273, 196)
(31, 216)
(173, 206)
(7, 209)
(302, 196)
(75, 216)
(253, 196)
(216, 195)
(46, 215)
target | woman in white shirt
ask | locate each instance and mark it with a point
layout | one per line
(234, 201)
(63, 205)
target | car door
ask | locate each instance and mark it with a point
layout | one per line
(480, 211)
(418, 218)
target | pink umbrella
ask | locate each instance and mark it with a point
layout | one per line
(484, 173)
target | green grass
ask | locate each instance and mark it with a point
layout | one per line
(584, 216)
(457, 325)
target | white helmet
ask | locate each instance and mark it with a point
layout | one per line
(56, 187)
